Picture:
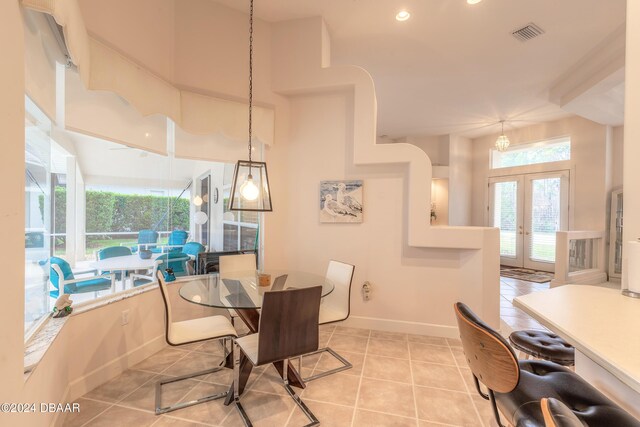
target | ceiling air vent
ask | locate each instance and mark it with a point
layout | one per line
(527, 32)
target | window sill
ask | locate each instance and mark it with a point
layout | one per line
(36, 347)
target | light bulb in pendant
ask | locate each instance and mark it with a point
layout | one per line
(197, 201)
(249, 190)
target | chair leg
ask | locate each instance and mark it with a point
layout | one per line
(307, 412)
(345, 364)
(484, 396)
(496, 413)
(236, 385)
(163, 410)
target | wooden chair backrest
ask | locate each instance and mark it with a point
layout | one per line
(488, 354)
(288, 324)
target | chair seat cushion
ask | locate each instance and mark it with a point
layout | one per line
(329, 314)
(544, 345)
(249, 345)
(200, 329)
(539, 379)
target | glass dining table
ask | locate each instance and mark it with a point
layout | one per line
(241, 292)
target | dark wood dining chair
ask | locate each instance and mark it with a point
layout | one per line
(288, 328)
(516, 387)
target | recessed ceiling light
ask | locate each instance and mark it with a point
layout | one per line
(473, 1)
(403, 15)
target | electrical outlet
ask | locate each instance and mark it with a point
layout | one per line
(366, 291)
(125, 317)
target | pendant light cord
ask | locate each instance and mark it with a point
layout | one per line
(250, 76)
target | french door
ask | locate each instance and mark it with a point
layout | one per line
(529, 209)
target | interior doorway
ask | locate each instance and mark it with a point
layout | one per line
(529, 209)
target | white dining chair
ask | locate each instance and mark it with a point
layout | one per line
(187, 332)
(230, 264)
(335, 307)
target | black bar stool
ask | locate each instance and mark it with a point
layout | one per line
(544, 345)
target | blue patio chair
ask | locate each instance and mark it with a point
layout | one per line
(177, 261)
(177, 239)
(112, 252)
(193, 249)
(147, 239)
(62, 279)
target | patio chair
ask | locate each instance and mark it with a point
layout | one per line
(177, 240)
(193, 249)
(112, 252)
(147, 239)
(63, 280)
(177, 261)
(143, 279)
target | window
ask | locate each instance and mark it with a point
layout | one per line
(240, 227)
(37, 209)
(554, 150)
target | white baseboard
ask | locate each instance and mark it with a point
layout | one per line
(402, 326)
(81, 386)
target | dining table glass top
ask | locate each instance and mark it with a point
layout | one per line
(241, 290)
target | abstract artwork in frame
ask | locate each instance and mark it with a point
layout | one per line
(341, 201)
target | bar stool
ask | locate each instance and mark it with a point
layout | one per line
(543, 345)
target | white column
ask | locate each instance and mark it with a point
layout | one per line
(631, 174)
(70, 248)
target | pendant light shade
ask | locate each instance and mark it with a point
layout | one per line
(502, 143)
(250, 189)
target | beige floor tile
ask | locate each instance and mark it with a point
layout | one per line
(350, 343)
(338, 388)
(467, 376)
(172, 393)
(124, 417)
(358, 332)
(368, 418)
(263, 409)
(213, 347)
(389, 335)
(271, 382)
(445, 407)
(193, 362)
(454, 342)
(328, 362)
(426, 339)
(423, 423)
(459, 357)
(323, 338)
(120, 386)
(439, 376)
(222, 377)
(212, 412)
(327, 328)
(431, 353)
(386, 368)
(161, 360)
(395, 398)
(485, 411)
(389, 348)
(329, 415)
(166, 421)
(88, 410)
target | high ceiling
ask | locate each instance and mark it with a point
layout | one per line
(454, 67)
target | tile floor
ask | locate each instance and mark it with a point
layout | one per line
(397, 380)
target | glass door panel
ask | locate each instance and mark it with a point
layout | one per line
(506, 213)
(546, 211)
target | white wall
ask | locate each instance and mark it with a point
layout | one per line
(588, 168)
(632, 129)
(413, 289)
(12, 163)
(460, 180)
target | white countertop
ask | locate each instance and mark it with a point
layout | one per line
(599, 322)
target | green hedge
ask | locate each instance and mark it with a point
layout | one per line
(108, 212)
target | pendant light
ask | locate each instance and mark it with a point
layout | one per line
(502, 143)
(250, 188)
